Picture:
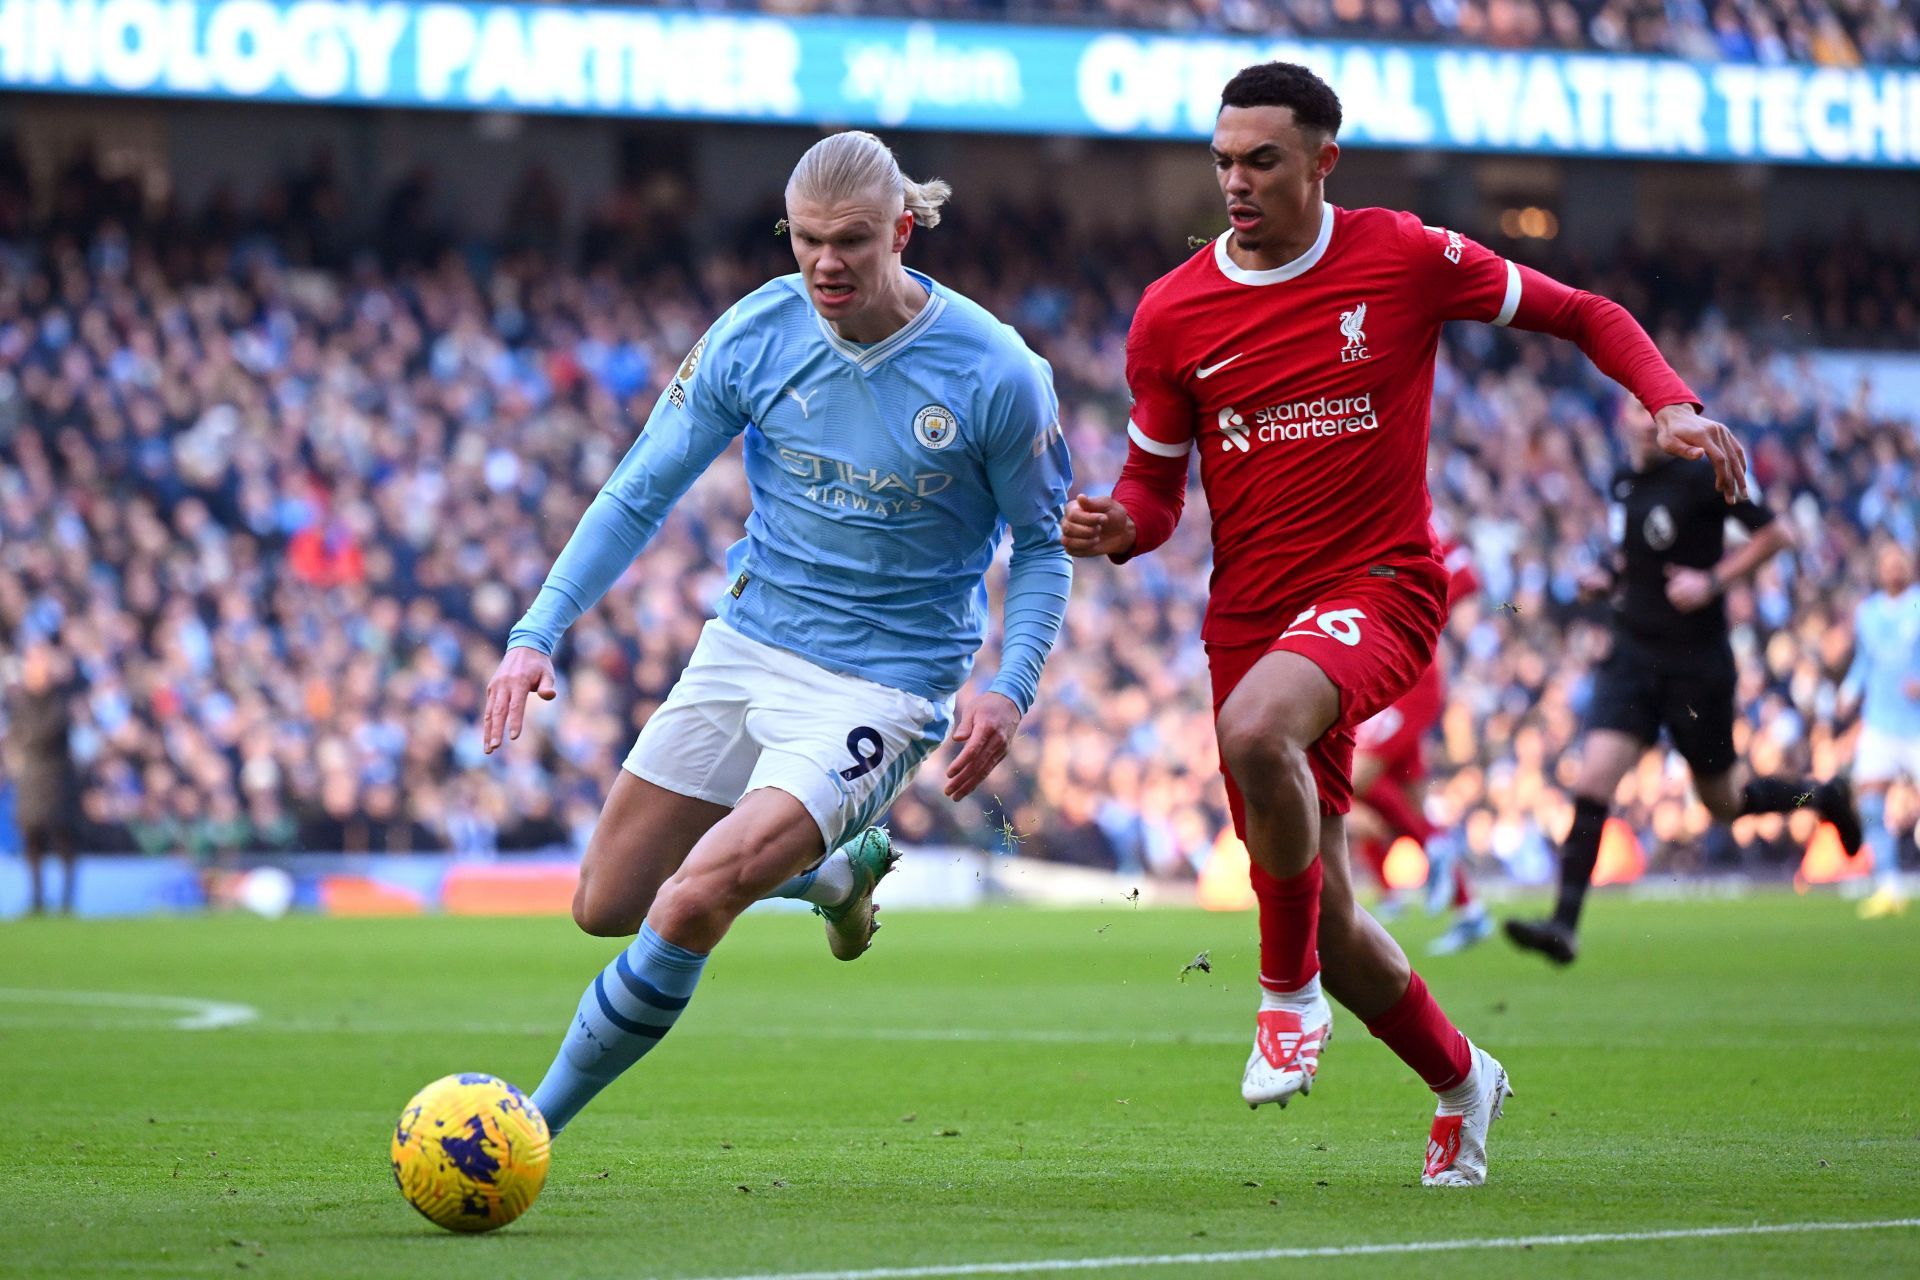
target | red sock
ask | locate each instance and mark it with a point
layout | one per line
(1374, 854)
(1289, 927)
(1424, 1038)
(1462, 887)
(1395, 810)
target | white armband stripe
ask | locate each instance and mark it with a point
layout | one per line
(1153, 446)
(1511, 303)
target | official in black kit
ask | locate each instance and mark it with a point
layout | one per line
(1670, 669)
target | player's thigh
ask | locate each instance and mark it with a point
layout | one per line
(768, 838)
(1370, 641)
(1373, 639)
(644, 834)
(1605, 757)
(841, 746)
(1286, 700)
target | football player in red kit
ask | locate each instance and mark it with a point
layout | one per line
(1296, 353)
(1390, 774)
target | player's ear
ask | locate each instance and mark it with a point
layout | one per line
(902, 230)
(1323, 161)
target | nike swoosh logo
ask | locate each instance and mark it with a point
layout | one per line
(1210, 370)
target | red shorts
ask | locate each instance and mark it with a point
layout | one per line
(1373, 637)
(1398, 735)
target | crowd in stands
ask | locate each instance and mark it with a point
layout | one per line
(1832, 33)
(277, 500)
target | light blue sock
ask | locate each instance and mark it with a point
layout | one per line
(1886, 850)
(632, 1003)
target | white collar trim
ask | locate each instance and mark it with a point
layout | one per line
(1275, 275)
(867, 359)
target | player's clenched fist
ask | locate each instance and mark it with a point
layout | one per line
(1097, 527)
(523, 671)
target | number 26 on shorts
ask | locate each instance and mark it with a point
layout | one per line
(1338, 624)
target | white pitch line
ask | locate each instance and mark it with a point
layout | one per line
(196, 1015)
(956, 1035)
(1329, 1251)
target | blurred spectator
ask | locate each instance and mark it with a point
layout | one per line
(39, 726)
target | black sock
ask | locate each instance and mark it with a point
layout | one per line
(1777, 795)
(1577, 856)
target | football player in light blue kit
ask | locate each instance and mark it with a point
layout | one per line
(892, 429)
(1885, 680)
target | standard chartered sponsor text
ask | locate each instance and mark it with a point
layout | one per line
(1315, 419)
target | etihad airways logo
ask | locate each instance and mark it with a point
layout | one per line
(1318, 419)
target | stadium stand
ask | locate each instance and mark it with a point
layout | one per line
(279, 496)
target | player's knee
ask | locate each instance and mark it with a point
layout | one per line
(687, 907)
(601, 918)
(704, 902)
(1259, 754)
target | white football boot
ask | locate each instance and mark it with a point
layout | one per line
(1457, 1147)
(1286, 1051)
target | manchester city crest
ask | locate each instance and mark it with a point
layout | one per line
(935, 426)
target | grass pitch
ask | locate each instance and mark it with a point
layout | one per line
(998, 1086)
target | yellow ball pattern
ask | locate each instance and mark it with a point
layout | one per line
(470, 1152)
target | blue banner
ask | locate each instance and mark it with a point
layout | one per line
(606, 60)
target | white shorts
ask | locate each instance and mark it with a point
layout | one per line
(1881, 757)
(746, 715)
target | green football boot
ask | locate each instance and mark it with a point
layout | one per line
(851, 925)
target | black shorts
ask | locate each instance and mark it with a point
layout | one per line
(1641, 690)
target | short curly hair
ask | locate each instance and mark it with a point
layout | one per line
(1286, 84)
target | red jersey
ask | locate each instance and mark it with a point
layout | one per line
(1308, 390)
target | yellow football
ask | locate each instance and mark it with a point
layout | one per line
(470, 1152)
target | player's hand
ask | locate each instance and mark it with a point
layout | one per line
(1097, 527)
(986, 730)
(1685, 434)
(1690, 589)
(523, 671)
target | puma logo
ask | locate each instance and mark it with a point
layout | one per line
(801, 400)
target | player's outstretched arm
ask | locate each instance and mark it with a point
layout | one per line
(1609, 336)
(521, 673)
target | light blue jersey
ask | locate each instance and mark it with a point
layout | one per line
(881, 478)
(1886, 662)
